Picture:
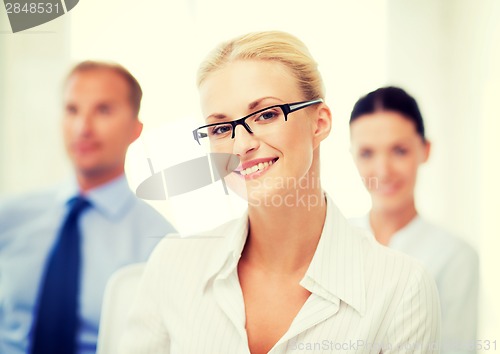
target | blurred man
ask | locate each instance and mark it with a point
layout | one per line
(58, 247)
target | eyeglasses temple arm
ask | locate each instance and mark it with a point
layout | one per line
(297, 106)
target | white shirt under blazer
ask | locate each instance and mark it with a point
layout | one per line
(365, 298)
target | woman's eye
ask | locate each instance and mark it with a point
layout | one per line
(267, 115)
(365, 154)
(220, 129)
(400, 151)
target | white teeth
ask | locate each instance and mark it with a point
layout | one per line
(258, 167)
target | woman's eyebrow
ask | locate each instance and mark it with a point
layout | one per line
(257, 102)
(217, 116)
(251, 106)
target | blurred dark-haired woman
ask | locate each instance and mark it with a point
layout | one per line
(388, 144)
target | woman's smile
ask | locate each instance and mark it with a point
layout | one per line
(255, 168)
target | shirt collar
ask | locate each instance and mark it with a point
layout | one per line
(336, 270)
(113, 198)
(235, 235)
(406, 233)
(401, 236)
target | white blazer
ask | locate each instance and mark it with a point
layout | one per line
(365, 298)
(455, 268)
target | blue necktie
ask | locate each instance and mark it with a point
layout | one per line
(56, 322)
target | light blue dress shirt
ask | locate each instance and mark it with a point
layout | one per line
(118, 229)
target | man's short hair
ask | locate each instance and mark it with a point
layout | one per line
(135, 91)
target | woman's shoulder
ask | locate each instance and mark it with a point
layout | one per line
(196, 242)
(448, 244)
(380, 265)
(197, 252)
(387, 265)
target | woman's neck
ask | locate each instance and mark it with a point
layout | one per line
(283, 237)
(385, 223)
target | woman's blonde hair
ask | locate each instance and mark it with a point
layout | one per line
(270, 45)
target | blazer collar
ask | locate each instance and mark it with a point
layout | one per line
(336, 270)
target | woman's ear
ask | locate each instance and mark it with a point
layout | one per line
(427, 150)
(322, 124)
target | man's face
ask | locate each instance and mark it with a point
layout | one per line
(99, 122)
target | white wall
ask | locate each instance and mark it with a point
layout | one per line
(446, 53)
(31, 66)
(488, 70)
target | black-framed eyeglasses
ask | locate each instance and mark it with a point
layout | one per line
(255, 122)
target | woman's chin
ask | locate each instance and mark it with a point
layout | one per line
(390, 204)
(254, 191)
(237, 185)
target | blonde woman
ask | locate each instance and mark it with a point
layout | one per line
(290, 275)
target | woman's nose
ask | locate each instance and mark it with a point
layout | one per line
(244, 142)
(383, 167)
